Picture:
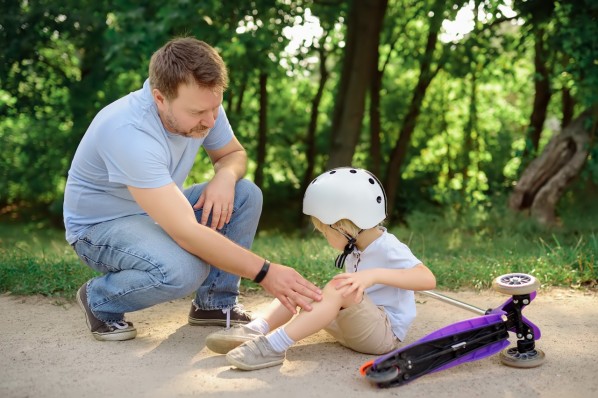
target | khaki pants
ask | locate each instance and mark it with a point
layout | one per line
(364, 328)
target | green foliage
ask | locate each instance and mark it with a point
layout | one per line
(61, 61)
(575, 36)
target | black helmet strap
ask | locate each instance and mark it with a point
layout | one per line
(340, 260)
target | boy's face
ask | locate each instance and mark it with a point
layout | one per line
(334, 238)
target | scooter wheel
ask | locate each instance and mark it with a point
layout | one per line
(512, 357)
(515, 284)
(381, 376)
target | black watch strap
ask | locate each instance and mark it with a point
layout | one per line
(262, 274)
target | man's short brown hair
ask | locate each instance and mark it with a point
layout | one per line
(186, 60)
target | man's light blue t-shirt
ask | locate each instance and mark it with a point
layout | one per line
(127, 145)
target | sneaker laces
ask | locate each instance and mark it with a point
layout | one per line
(118, 324)
(227, 311)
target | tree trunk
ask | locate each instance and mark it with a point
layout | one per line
(239, 106)
(262, 130)
(310, 140)
(398, 154)
(542, 96)
(363, 37)
(375, 160)
(568, 105)
(375, 146)
(470, 131)
(543, 182)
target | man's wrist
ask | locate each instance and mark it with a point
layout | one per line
(262, 274)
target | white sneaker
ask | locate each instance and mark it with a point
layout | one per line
(225, 340)
(255, 354)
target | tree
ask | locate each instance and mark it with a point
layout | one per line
(363, 36)
(546, 178)
(51, 69)
(396, 20)
(426, 74)
(543, 182)
(538, 17)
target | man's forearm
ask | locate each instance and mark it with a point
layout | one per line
(234, 162)
(219, 251)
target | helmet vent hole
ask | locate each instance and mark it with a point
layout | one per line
(353, 171)
(379, 199)
(371, 180)
(333, 171)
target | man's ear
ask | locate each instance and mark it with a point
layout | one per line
(159, 98)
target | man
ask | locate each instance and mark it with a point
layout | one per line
(127, 215)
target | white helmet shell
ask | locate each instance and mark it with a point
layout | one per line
(346, 193)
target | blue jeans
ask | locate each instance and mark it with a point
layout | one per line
(143, 266)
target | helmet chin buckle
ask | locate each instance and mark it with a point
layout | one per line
(349, 247)
(340, 259)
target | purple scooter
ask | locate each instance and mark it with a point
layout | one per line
(468, 340)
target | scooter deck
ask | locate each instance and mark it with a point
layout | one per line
(464, 341)
(461, 342)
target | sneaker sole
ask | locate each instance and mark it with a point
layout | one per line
(244, 366)
(114, 336)
(224, 344)
(214, 322)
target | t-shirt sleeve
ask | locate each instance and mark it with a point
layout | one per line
(141, 165)
(221, 133)
(400, 256)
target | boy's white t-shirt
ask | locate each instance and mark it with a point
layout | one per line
(388, 252)
(127, 145)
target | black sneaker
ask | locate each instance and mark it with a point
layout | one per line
(104, 331)
(224, 317)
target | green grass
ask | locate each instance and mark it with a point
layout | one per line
(469, 250)
(464, 250)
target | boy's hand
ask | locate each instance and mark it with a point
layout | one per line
(290, 288)
(356, 283)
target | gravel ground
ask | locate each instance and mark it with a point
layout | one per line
(47, 351)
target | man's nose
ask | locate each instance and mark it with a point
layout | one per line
(208, 122)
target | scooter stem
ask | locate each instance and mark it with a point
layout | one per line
(453, 301)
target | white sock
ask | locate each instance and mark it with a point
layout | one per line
(259, 325)
(279, 340)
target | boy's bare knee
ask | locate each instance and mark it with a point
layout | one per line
(332, 284)
(331, 290)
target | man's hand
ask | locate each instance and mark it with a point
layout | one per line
(218, 199)
(290, 288)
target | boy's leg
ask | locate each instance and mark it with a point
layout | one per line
(322, 313)
(276, 315)
(265, 351)
(220, 290)
(141, 266)
(223, 341)
(365, 328)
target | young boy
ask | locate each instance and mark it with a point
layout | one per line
(369, 307)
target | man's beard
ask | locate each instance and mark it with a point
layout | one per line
(198, 131)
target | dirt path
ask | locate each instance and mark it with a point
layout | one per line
(46, 351)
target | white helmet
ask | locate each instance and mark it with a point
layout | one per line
(346, 193)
